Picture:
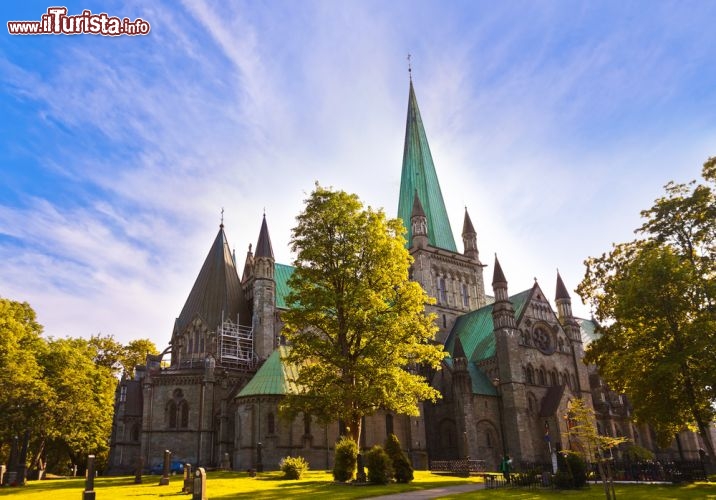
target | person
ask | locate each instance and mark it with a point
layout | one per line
(506, 467)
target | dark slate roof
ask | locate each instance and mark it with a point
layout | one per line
(274, 378)
(263, 246)
(498, 276)
(550, 401)
(216, 291)
(475, 329)
(561, 289)
(467, 227)
(282, 273)
(419, 174)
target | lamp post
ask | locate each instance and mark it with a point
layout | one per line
(496, 383)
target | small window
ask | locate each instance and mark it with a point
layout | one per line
(183, 414)
(488, 439)
(271, 424)
(134, 435)
(465, 296)
(123, 394)
(171, 414)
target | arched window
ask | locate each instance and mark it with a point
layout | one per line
(388, 424)
(465, 296)
(171, 414)
(488, 439)
(306, 424)
(442, 291)
(530, 375)
(271, 424)
(183, 414)
(540, 377)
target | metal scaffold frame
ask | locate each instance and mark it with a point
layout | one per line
(236, 345)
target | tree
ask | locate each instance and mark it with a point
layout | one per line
(587, 443)
(356, 324)
(135, 353)
(655, 298)
(24, 394)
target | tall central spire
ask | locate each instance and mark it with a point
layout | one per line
(419, 175)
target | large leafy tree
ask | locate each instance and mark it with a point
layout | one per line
(356, 324)
(655, 298)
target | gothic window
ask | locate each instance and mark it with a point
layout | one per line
(306, 424)
(540, 377)
(196, 342)
(442, 291)
(388, 424)
(530, 375)
(123, 394)
(183, 414)
(188, 344)
(271, 424)
(171, 414)
(465, 296)
(201, 343)
(488, 439)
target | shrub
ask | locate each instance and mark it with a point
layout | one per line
(293, 467)
(346, 459)
(380, 470)
(401, 465)
(578, 468)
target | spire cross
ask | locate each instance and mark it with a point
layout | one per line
(410, 69)
(222, 216)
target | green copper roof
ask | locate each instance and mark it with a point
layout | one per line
(588, 330)
(475, 330)
(272, 379)
(480, 382)
(281, 274)
(419, 174)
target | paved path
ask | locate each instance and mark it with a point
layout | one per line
(432, 493)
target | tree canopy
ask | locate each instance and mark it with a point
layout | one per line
(60, 390)
(356, 325)
(655, 298)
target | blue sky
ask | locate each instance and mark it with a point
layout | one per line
(554, 122)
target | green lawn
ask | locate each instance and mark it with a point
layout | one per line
(316, 484)
(224, 485)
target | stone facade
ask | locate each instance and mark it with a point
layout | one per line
(514, 364)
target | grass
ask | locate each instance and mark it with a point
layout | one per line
(225, 485)
(317, 484)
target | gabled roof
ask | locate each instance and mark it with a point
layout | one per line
(419, 174)
(281, 274)
(273, 378)
(475, 330)
(216, 291)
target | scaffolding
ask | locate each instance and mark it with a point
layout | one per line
(236, 346)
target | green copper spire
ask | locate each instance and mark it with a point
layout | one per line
(419, 175)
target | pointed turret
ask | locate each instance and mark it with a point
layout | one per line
(419, 175)
(469, 238)
(503, 313)
(263, 246)
(418, 223)
(564, 311)
(216, 293)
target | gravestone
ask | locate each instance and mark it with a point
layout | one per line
(89, 493)
(225, 462)
(165, 471)
(199, 492)
(188, 480)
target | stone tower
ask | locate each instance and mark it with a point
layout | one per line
(454, 279)
(264, 295)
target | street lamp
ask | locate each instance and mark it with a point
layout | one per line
(496, 383)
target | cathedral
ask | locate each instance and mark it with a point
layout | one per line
(514, 363)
